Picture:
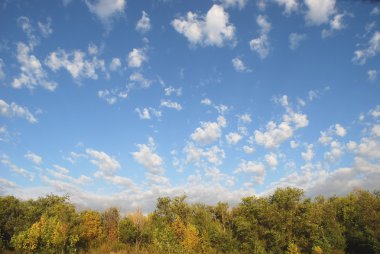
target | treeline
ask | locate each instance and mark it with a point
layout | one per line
(284, 222)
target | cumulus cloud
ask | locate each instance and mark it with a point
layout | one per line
(252, 167)
(115, 64)
(309, 153)
(147, 157)
(138, 80)
(213, 29)
(143, 25)
(319, 11)
(113, 95)
(233, 138)
(171, 104)
(107, 164)
(32, 73)
(372, 75)
(239, 65)
(105, 10)
(199, 156)
(36, 159)
(14, 110)
(136, 58)
(248, 149)
(271, 160)
(289, 5)
(261, 44)
(147, 113)
(340, 130)
(2, 73)
(75, 63)
(171, 90)
(209, 132)
(295, 40)
(362, 55)
(336, 24)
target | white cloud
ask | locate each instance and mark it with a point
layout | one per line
(376, 130)
(319, 11)
(32, 74)
(245, 118)
(15, 110)
(233, 3)
(171, 90)
(375, 113)
(233, 138)
(290, 5)
(20, 171)
(336, 24)
(335, 153)
(212, 30)
(140, 80)
(294, 144)
(146, 113)
(271, 160)
(295, 40)
(115, 64)
(206, 101)
(372, 75)
(61, 169)
(136, 58)
(105, 10)
(171, 104)
(309, 153)
(209, 132)
(248, 149)
(362, 55)
(143, 25)
(75, 63)
(92, 49)
(45, 28)
(340, 130)
(27, 28)
(274, 134)
(252, 167)
(147, 157)
(239, 65)
(113, 95)
(261, 44)
(36, 159)
(107, 165)
(213, 155)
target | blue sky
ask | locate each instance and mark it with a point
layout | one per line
(117, 102)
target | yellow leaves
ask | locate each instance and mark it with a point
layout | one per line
(317, 250)
(188, 234)
(91, 225)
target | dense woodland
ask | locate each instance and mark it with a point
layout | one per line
(285, 222)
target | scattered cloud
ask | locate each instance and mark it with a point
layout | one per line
(137, 79)
(45, 28)
(36, 159)
(261, 44)
(271, 160)
(213, 29)
(147, 157)
(336, 24)
(372, 75)
(319, 11)
(252, 167)
(233, 3)
(147, 113)
(295, 40)
(4, 159)
(113, 95)
(14, 110)
(170, 104)
(239, 65)
(308, 155)
(171, 90)
(209, 132)
(143, 25)
(362, 55)
(106, 10)
(136, 58)
(233, 138)
(289, 5)
(31, 72)
(106, 164)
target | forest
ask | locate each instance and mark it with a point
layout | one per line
(283, 222)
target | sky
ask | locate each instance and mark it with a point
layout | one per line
(119, 102)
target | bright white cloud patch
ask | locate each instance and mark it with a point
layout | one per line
(233, 3)
(271, 160)
(261, 44)
(340, 130)
(171, 104)
(362, 55)
(32, 73)
(289, 5)
(252, 167)
(209, 132)
(147, 113)
(75, 63)
(107, 164)
(336, 24)
(14, 110)
(233, 138)
(36, 159)
(105, 10)
(239, 65)
(139, 80)
(136, 58)
(143, 25)
(319, 11)
(309, 153)
(115, 64)
(147, 157)
(295, 40)
(213, 29)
